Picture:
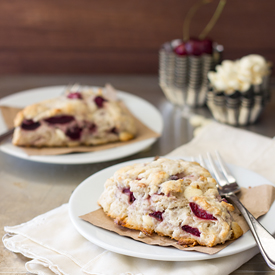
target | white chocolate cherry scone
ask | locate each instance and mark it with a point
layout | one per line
(85, 117)
(173, 198)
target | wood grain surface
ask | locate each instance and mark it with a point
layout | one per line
(90, 36)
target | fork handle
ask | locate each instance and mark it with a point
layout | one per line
(264, 239)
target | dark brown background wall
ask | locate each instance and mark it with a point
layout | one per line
(120, 36)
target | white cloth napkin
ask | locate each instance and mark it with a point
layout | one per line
(55, 247)
(240, 147)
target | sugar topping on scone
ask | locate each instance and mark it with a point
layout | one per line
(83, 117)
(174, 198)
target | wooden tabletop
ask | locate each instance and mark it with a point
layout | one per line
(31, 188)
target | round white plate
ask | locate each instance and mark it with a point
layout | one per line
(140, 108)
(84, 200)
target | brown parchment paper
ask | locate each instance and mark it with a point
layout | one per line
(143, 132)
(257, 200)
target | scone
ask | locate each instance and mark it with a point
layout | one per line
(84, 117)
(173, 198)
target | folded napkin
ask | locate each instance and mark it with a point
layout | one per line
(55, 247)
(239, 147)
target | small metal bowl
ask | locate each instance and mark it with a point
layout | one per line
(239, 109)
(183, 79)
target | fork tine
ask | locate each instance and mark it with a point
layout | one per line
(201, 160)
(192, 159)
(225, 169)
(222, 181)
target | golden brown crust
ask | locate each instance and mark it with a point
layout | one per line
(172, 186)
(19, 118)
(187, 242)
(228, 206)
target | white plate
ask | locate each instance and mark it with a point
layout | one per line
(142, 109)
(84, 200)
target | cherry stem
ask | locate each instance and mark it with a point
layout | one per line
(189, 16)
(213, 20)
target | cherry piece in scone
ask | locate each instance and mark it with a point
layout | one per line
(177, 176)
(131, 195)
(114, 131)
(63, 119)
(181, 49)
(157, 215)
(174, 177)
(92, 127)
(200, 213)
(99, 100)
(74, 133)
(29, 125)
(191, 230)
(75, 95)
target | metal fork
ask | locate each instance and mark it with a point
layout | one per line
(228, 188)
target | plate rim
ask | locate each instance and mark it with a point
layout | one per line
(191, 257)
(83, 158)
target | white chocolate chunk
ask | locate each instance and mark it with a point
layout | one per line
(192, 192)
(148, 221)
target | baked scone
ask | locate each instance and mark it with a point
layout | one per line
(83, 117)
(173, 198)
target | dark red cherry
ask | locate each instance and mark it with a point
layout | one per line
(99, 101)
(194, 47)
(191, 230)
(200, 213)
(29, 125)
(207, 46)
(181, 49)
(75, 95)
(157, 215)
(59, 119)
(131, 195)
(74, 133)
(92, 127)
(114, 131)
